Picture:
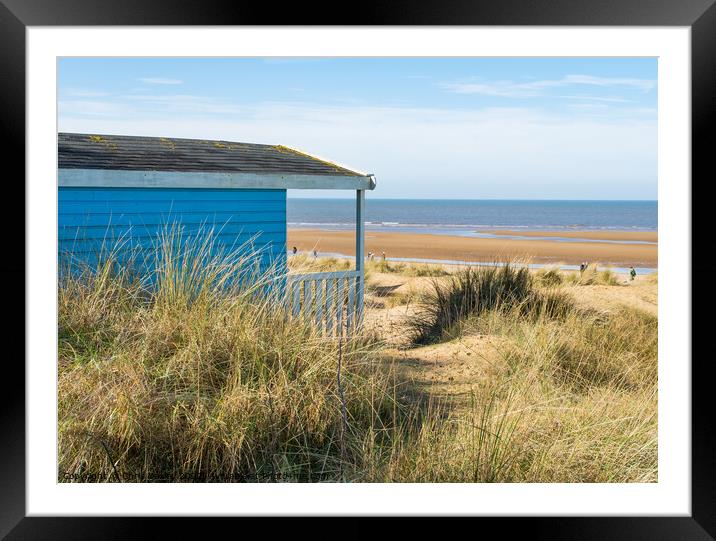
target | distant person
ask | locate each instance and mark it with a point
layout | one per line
(383, 256)
(632, 273)
(582, 267)
(315, 254)
(295, 250)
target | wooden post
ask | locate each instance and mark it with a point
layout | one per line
(360, 258)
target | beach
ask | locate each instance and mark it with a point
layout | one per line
(620, 236)
(460, 248)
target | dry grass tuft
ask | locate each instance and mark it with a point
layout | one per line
(475, 290)
(592, 276)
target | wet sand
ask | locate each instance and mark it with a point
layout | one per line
(641, 236)
(426, 246)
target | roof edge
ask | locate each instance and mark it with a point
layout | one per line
(122, 178)
(324, 160)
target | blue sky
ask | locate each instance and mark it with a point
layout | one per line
(478, 128)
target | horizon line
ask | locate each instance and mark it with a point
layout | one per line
(478, 199)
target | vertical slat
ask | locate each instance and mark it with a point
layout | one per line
(351, 303)
(339, 306)
(319, 304)
(307, 298)
(330, 311)
(296, 298)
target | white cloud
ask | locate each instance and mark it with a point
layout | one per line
(422, 152)
(588, 106)
(83, 93)
(511, 89)
(596, 98)
(92, 108)
(506, 89)
(160, 81)
(187, 103)
(640, 84)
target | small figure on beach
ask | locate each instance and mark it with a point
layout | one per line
(295, 250)
(315, 254)
(632, 273)
(383, 256)
(583, 266)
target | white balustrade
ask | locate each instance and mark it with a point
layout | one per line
(328, 299)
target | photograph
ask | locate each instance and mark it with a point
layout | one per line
(425, 263)
(358, 269)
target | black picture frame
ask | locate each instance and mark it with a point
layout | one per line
(16, 15)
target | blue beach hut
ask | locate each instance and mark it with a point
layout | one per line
(114, 186)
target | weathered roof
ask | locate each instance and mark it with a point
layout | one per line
(131, 153)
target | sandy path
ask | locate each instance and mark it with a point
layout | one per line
(458, 367)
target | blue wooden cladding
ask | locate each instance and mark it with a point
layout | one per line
(91, 219)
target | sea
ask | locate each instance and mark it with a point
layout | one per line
(475, 218)
(472, 216)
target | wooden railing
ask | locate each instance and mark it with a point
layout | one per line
(333, 301)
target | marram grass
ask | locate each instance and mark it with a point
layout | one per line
(191, 374)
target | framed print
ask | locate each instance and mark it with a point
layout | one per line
(425, 262)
